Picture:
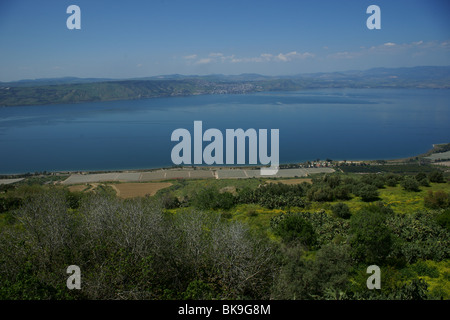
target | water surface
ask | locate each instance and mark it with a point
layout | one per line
(340, 124)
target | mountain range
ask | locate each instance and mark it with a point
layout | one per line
(73, 90)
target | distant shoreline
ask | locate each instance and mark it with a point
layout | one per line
(60, 91)
(436, 148)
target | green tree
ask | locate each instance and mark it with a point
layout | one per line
(211, 198)
(341, 210)
(370, 238)
(303, 278)
(437, 200)
(294, 228)
(410, 184)
(437, 177)
(422, 179)
(367, 192)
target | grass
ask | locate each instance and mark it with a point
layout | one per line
(402, 201)
(439, 286)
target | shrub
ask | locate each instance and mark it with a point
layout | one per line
(211, 198)
(410, 184)
(422, 179)
(437, 177)
(443, 219)
(367, 192)
(342, 192)
(320, 194)
(273, 195)
(391, 182)
(341, 210)
(370, 238)
(420, 236)
(375, 180)
(436, 200)
(169, 201)
(293, 228)
(303, 278)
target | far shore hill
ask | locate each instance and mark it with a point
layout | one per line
(79, 90)
(438, 158)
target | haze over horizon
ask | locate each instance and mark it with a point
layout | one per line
(133, 39)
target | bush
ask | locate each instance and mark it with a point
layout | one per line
(375, 180)
(437, 200)
(211, 198)
(332, 181)
(302, 278)
(410, 184)
(367, 192)
(342, 193)
(443, 219)
(420, 236)
(341, 210)
(130, 249)
(74, 199)
(391, 182)
(293, 228)
(9, 204)
(320, 193)
(437, 177)
(273, 195)
(425, 269)
(422, 179)
(169, 201)
(370, 238)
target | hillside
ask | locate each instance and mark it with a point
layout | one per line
(74, 90)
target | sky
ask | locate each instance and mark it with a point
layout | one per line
(138, 38)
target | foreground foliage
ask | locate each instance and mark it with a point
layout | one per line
(258, 241)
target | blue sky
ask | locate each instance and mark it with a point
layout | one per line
(123, 39)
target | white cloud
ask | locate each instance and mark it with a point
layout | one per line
(204, 61)
(293, 55)
(219, 57)
(191, 57)
(411, 49)
(268, 57)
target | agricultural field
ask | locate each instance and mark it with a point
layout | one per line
(291, 181)
(133, 190)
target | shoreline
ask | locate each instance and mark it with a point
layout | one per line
(436, 148)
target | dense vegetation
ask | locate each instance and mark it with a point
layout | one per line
(228, 239)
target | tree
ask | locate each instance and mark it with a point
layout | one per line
(341, 210)
(410, 184)
(332, 180)
(211, 198)
(370, 238)
(342, 192)
(169, 201)
(437, 177)
(320, 193)
(367, 192)
(293, 228)
(437, 200)
(422, 179)
(302, 278)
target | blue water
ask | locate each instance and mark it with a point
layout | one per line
(338, 124)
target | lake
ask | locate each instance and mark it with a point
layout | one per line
(340, 124)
